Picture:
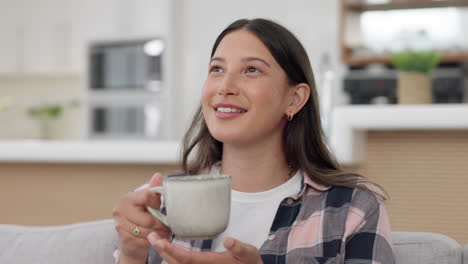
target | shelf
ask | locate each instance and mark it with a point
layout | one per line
(45, 75)
(357, 61)
(355, 7)
(406, 5)
(350, 124)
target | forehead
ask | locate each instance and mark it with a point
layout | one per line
(242, 43)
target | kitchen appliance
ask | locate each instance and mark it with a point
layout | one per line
(367, 86)
(125, 85)
(125, 65)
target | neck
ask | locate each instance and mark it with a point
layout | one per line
(255, 168)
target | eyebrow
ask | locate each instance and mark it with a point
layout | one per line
(245, 59)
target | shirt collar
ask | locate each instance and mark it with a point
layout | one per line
(309, 187)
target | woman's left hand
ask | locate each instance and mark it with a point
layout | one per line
(236, 252)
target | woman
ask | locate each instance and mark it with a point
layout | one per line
(259, 122)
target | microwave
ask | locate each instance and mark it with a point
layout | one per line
(131, 64)
(139, 121)
(125, 81)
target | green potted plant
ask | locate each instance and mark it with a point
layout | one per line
(414, 78)
(47, 114)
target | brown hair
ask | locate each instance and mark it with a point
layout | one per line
(303, 137)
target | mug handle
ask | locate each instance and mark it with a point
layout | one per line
(157, 213)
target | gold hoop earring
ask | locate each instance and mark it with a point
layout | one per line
(290, 117)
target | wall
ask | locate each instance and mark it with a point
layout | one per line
(39, 36)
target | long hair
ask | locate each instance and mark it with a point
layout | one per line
(304, 143)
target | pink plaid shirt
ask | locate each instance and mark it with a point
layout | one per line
(321, 225)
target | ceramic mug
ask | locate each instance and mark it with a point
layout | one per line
(197, 206)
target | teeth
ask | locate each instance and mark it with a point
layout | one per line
(229, 110)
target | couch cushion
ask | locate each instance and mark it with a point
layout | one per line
(90, 242)
(425, 248)
(465, 254)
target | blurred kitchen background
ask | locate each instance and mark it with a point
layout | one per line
(96, 95)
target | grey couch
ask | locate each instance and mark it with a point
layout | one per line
(94, 242)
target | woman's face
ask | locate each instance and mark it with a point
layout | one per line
(246, 95)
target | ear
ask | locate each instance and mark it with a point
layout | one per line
(299, 95)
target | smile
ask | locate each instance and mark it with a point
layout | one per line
(229, 110)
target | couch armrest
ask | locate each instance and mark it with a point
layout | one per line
(88, 242)
(425, 248)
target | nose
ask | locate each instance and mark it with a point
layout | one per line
(228, 86)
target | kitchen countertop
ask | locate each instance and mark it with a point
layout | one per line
(350, 124)
(90, 151)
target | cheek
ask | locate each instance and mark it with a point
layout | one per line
(207, 94)
(208, 91)
(271, 97)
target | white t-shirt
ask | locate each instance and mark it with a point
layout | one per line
(252, 214)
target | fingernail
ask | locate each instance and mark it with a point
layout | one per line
(228, 243)
(159, 243)
(152, 238)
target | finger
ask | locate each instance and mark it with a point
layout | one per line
(241, 251)
(123, 225)
(133, 246)
(173, 253)
(156, 180)
(157, 236)
(129, 216)
(160, 246)
(141, 199)
(128, 237)
(165, 234)
(141, 220)
(126, 208)
(139, 217)
(144, 197)
(128, 240)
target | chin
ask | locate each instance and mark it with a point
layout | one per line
(225, 137)
(228, 136)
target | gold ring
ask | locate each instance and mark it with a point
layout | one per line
(136, 231)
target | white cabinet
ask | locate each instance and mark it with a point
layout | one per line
(124, 19)
(38, 39)
(8, 48)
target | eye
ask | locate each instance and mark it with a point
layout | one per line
(252, 69)
(215, 68)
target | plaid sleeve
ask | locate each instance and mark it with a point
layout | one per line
(368, 226)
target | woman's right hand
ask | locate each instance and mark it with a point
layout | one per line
(130, 214)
